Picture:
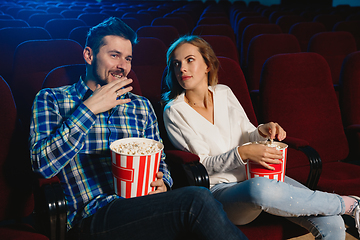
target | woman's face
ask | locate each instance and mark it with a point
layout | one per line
(190, 68)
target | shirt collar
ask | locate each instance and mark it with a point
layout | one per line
(83, 90)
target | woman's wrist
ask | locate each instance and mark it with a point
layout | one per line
(241, 154)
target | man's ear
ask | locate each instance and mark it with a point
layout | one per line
(88, 55)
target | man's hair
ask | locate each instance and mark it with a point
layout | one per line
(172, 87)
(111, 26)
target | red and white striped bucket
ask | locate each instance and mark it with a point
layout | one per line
(256, 170)
(133, 173)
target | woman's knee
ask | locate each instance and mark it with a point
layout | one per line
(263, 190)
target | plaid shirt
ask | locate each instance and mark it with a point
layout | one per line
(69, 141)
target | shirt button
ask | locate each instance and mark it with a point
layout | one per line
(109, 122)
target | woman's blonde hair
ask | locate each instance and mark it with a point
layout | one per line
(172, 88)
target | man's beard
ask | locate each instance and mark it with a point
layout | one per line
(99, 80)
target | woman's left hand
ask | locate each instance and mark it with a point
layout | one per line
(272, 130)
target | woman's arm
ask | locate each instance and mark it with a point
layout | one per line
(185, 138)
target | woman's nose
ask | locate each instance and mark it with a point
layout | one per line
(183, 68)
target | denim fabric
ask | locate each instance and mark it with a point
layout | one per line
(185, 213)
(319, 212)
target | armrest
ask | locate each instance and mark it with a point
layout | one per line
(313, 157)
(61, 227)
(354, 128)
(186, 170)
(45, 210)
(50, 208)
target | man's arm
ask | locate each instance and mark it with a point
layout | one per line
(56, 139)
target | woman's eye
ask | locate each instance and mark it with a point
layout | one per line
(190, 59)
(176, 64)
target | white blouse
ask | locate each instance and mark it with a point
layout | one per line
(216, 144)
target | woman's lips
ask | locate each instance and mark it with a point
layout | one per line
(185, 77)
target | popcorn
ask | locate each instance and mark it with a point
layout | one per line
(270, 144)
(137, 148)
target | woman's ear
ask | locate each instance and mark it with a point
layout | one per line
(207, 70)
(88, 55)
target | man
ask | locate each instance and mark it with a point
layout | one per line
(71, 130)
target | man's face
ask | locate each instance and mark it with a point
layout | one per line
(112, 61)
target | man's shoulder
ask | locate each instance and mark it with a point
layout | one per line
(66, 91)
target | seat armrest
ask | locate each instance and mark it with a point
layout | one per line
(354, 128)
(313, 157)
(50, 209)
(45, 210)
(186, 169)
(295, 143)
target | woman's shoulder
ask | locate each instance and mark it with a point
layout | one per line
(174, 102)
(220, 88)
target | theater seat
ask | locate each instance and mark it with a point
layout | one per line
(251, 31)
(297, 92)
(17, 200)
(303, 31)
(222, 46)
(350, 102)
(10, 39)
(334, 47)
(215, 29)
(32, 61)
(149, 61)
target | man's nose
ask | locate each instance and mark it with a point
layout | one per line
(121, 64)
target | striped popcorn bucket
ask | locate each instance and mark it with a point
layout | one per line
(256, 170)
(133, 173)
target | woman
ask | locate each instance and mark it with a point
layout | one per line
(205, 118)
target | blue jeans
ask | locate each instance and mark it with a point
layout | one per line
(179, 214)
(319, 212)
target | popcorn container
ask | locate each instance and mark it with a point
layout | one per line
(135, 162)
(256, 170)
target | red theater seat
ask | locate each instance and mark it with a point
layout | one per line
(297, 92)
(350, 101)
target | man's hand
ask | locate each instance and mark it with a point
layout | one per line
(106, 97)
(158, 184)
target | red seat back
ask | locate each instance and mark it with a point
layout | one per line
(303, 31)
(334, 47)
(264, 46)
(297, 92)
(149, 62)
(251, 31)
(215, 29)
(222, 46)
(32, 62)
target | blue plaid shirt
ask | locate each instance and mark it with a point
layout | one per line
(69, 141)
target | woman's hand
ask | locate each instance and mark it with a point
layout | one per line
(158, 184)
(271, 130)
(261, 154)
